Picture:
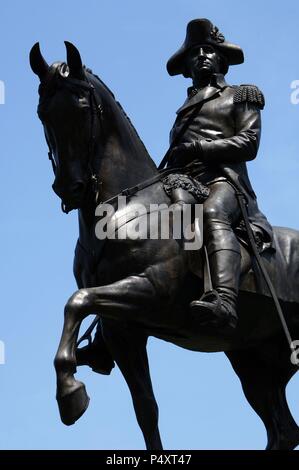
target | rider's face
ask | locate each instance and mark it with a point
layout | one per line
(201, 61)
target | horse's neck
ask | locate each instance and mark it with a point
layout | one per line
(123, 162)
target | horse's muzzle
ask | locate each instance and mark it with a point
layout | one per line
(72, 196)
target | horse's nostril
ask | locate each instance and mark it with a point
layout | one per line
(69, 192)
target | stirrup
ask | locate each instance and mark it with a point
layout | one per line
(212, 301)
(210, 297)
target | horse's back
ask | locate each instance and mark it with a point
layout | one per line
(282, 266)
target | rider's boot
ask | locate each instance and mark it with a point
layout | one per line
(96, 355)
(218, 308)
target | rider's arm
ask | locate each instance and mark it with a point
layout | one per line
(243, 146)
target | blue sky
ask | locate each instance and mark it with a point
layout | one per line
(127, 43)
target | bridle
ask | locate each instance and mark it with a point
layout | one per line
(97, 112)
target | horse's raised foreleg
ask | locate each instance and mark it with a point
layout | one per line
(264, 374)
(128, 347)
(71, 394)
(122, 300)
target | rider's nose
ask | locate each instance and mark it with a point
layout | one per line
(201, 52)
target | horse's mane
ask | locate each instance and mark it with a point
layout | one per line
(97, 78)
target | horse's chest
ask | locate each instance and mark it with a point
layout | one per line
(85, 267)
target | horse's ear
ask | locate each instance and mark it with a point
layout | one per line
(74, 60)
(37, 62)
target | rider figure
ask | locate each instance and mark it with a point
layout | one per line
(222, 135)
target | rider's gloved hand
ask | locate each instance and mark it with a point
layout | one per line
(185, 153)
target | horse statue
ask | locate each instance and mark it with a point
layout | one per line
(143, 287)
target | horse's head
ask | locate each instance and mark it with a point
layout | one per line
(70, 111)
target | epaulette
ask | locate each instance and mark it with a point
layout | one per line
(249, 94)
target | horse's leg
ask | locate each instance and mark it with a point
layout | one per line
(264, 374)
(71, 394)
(128, 347)
(122, 300)
(95, 354)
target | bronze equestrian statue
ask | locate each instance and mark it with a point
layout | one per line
(143, 287)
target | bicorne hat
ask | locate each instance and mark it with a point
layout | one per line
(202, 31)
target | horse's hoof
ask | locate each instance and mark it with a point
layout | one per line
(73, 405)
(289, 442)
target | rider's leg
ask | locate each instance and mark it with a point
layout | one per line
(221, 213)
(96, 354)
